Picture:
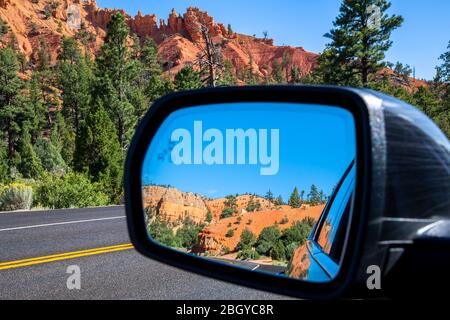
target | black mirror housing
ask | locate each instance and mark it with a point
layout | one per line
(368, 241)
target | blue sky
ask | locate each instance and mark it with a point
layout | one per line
(316, 145)
(419, 42)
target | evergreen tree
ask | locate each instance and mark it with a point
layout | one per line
(98, 152)
(279, 201)
(314, 195)
(30, 166)
(269, 196)
(277, 73)
(49, 156)
(75, 80)
(14, 111)
(359, 41)
(63, 138)
(209, 217)
(444, 68)
(4, 29)
(247, 240)
(188, 79)
(294, 200)
(403, 71)
(43, 55)
(4, 168)
(39, 121)
(296, 76)
(228, 77)
(441, 90)
(230, 30)
(116, 72)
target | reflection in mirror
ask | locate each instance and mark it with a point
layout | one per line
(263, 186)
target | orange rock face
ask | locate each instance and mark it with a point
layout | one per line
(179, 38)
(4, 3)
(213, 239)
(216, 206)
(299, 265)
(172, 205)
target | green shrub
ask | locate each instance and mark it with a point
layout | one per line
(247, 241)
(49, 156)
(16, 196)
(264, 247)
(73, 190)
(248, 254)
(162, 233)
(285, 220)
(309, 221)
(229, 233)
(267, 239)
(226, 213)
(298, 233)
(290, 248)
(278, 252)
(187, 235)
(209, 217)
(253, 205)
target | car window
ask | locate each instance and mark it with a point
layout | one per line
(338, 209)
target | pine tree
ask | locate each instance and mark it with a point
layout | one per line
(44, 55)
(149, 83)
(277, 73)
(441, 91)
(359, 41)
(444, 68)
(39, 121)
(63, 138)
(188, 79)
(230, 30)
(75, 81)
(30, 166)
(279, 201)
(4, 29)
(296, 76)
(269, 196)
(228, 77)
(294, 200)
(14, 111)
(314, 195)
(116, 72)
(98, 152)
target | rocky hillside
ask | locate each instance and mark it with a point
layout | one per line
(216, 206)
(214, 239)
(172, 205)
(178, 37)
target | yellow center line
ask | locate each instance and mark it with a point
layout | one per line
(63, 256)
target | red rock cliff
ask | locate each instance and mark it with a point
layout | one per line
(178, 37)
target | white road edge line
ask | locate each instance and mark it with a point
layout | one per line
(256, 267)
(60, 223)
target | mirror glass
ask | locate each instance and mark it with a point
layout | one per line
(263, 186)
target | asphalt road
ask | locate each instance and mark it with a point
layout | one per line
(107, 274)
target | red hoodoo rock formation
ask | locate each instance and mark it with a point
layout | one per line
(172, 205)
(179, 38)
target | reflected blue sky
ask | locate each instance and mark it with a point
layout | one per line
(316, 145)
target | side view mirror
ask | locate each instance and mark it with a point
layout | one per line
(313, 192)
